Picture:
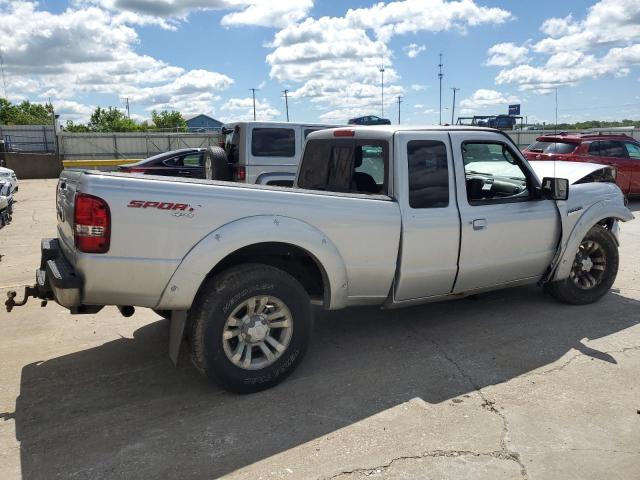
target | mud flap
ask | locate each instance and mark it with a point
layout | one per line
(176, 333)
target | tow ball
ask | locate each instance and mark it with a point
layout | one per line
(29, 291)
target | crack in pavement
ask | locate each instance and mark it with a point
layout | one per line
(488, 405)
(499, 454)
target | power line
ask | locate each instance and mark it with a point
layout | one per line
(253, 92)
(399, 99)
(453, 108)
(286, 101)
(440, 75)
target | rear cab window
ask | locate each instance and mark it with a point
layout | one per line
(345, 165)
(273, 142)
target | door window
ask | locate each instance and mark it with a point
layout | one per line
(428, 174)
(612, 149)
(493, 174)
(173, 162)
(633, 149)
(273, 142)
(594, 149)
(192, 160)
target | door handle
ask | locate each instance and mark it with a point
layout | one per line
(479, 224)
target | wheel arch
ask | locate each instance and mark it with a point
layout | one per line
(604, 213)
(286, 243)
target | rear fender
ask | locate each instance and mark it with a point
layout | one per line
(181, 290)
(610, 208)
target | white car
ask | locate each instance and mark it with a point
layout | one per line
(10, 176)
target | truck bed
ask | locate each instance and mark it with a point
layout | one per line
(157, 221)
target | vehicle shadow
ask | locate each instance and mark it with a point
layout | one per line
(122, 410)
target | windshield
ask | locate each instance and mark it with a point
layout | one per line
(553, 147)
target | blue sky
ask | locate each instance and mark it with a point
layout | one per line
(205, 57)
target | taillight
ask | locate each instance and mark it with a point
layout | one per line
(92, 224)
(132, 170)
(241, 173)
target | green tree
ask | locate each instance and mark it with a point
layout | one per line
(76, 127)
(169, 120)
(111, 120)
(25, 113)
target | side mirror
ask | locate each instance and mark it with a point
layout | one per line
(555, 188)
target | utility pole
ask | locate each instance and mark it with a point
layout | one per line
(440, 75)
(286, 101)
(4, 79)
(253, 92)
(126, 102)
(382, 83)
(399, 102)
(453, 108)
(556, 129)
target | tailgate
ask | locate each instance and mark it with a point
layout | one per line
(65, 198)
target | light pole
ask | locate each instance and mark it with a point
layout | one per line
(399, 97)
(253, 91)
(440, 75)
(286, 101)
(453, 108)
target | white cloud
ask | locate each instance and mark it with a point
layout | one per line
(238, 109)
(483, 98)
(337, 59)
(504, 54)
(606, 42)
(413, 49)
(39, 62)
(70, 110)
(418, 88)
(168, 13)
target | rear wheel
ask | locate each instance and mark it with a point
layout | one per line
(593, 272)
(250, 327)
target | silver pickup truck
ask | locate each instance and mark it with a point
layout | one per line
(389, 216)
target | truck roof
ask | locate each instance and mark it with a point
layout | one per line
(388, 130)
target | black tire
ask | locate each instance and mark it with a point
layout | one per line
(216, 165)
(219, 297)
(569, 290)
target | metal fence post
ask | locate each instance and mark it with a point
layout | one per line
(115, 145)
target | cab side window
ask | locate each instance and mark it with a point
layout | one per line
(428, 174)
(493, 174)
(345, 166)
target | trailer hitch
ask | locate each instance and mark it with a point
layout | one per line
(29, 291)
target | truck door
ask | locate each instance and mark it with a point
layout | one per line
(507, 235)
(424, 177)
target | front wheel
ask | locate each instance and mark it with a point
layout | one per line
(250, 327)
(593, 272)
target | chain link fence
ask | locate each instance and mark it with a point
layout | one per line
(28, 138)
(105, 146)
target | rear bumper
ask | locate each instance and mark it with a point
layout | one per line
(56, 278)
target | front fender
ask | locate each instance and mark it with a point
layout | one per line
(609, 208)
(181, 289)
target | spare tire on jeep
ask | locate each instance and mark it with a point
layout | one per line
(216, 165)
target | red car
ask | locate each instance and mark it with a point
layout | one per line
(619, 150)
